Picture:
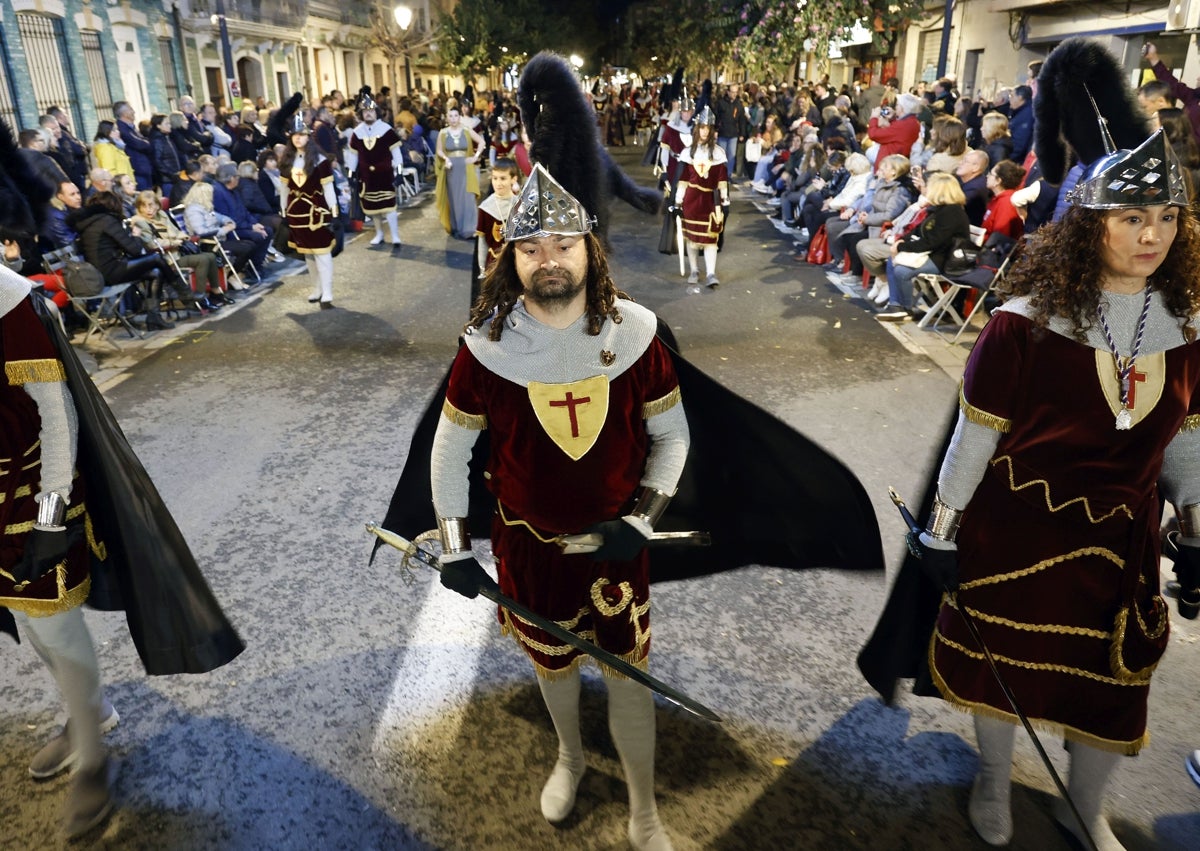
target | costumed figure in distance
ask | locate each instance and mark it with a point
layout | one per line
(702, 198)
(1079, 407)
(673, 140)
(457, 166)
(309, 203)
(374, 157)
(493, 213)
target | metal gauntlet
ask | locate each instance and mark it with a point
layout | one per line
(943, 522)
(455, 537)
(51, 511)
(1189, 520)
(651, 505)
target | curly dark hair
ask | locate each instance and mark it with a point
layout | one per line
(1058, 270)
(502, 288)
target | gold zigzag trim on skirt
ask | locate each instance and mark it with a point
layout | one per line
(1068, 732)
(1103, 552)
(1087, 506)
(41, 371)
(474, 422)
(639, 657)
(1190, 423)
(661, 406)
(1037, 666)
(980, 416)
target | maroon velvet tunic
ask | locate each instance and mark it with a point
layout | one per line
(1061, 535)
(376, 172)
(29, 356)
(705, 182)
(543, 493)
(308, 215)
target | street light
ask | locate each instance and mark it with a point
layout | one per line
(404, 15)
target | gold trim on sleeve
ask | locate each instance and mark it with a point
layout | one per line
(982, 417)
(474, 422)
(1190, 423)
(43, 371)
(661, 406)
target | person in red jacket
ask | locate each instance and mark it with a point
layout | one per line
(895, 130)
(1002, 216)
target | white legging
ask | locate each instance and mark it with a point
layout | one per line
(320, 268)
(710, 257)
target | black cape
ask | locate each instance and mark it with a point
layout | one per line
(767, 494)
(174, 620)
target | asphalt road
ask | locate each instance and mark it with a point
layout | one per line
(373, 712)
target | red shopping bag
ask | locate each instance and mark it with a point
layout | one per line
(818, 248)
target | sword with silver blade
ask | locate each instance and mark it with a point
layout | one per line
(914, 547)
(679, 239)
(589, 542)
(566, 636)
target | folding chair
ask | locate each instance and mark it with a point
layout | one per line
(409, 182)
(213, 244)
(981, 279)
(98, 309)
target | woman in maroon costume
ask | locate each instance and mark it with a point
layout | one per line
(310, 206)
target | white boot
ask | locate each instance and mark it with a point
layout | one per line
(989, 809)
(631, 724)
(324, 264)
(378, 237)
(310, 261)
(562, 699)
(1090, 770)
(394, 227)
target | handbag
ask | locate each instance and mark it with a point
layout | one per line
(818, 248)
(962, 257)
(82, 279)
(753, 151)
(911, 259)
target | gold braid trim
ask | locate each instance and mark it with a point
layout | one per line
(1103, 552)
(553, 539)
(1190, 423)
(1058, 629)
(23, 490)
(22, 528)
(980, 416)
(602, 605)
(639, 657)
(1038, 666)
(67, 599)
(661, 406)
(1068, 732)
(1116, 655)
(1087, 506)
(474, 422)
(41, 371)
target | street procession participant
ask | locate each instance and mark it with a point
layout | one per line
(702, 196)
(674, 138)
(309, 203)
(643, 111)
(374, 157)
(80, 521)
(457, 167)
(504, 140)
(570, 412)
(493, 213)
(1079, 409)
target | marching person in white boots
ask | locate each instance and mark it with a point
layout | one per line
(375, 158)
(587, 433)
(309, 203)
(702, 196)
(1079, 409)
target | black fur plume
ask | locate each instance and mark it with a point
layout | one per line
(670, 92)
(23, 195)
(562, 131)
(281, 121)
(1064, 114)
(705, 98)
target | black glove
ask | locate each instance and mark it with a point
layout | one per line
(339, 235)
(622, 541)
(1187, 568)
(941, 566)
(467, 577)
(43, 550)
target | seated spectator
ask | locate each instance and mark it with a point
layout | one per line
(117, 253)
(269, 178)
(187, 179)
(108, 150)
(99, 180)
(258, 135)
(972, 174)
(126, 189)
(1001, 216)
(895, 129)
(997, 141)
(948, 144)
(155, 228)
(205, 222)
(187, 146)
(243, 148)
(249, 189)
(208, 168)
(33, 151)
(820, 206)
(890, 192)
(56, 233)
(167, 164)
(945, 221)
(228, 202)
(811, 167)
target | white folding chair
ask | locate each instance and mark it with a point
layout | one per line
(102, 308)
(214, 245)
(949, 288)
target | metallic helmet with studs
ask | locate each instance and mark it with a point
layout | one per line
(298, 126)
(1148, 176)
(544, 208)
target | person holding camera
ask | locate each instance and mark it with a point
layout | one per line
(1185, 94)
(896, 130)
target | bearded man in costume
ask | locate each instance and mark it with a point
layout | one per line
(375, 158)
(587, 433)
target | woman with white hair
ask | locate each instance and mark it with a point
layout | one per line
(895, 129)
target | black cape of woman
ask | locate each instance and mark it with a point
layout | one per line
(174, 620)
(767, 494)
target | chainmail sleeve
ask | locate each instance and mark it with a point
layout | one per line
(966, 461)
(668, 450)
(59, 433)
(1180, 477)
(452, 444)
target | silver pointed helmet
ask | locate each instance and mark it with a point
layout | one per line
(544, 208)
(1148, 176)
(706, 116)
(298, 126)
(366, 102)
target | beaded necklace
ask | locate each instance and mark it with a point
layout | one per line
(1125, 365)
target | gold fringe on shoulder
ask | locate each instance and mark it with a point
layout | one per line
(42, 371)
(982, 417)
(1190, 423)
(661, 406)
(474, 422)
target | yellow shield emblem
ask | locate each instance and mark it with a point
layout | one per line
(1145, 383)
(572, 414)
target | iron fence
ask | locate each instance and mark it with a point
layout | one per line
(93, 60)
(49, 65)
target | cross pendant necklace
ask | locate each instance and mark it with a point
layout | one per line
(1125, 366)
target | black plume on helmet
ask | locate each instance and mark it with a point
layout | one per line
(279, 126)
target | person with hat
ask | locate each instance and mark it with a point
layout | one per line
(702, 196)
(1079, 412)
(374, 156)
(309, 204)
(586, 432)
